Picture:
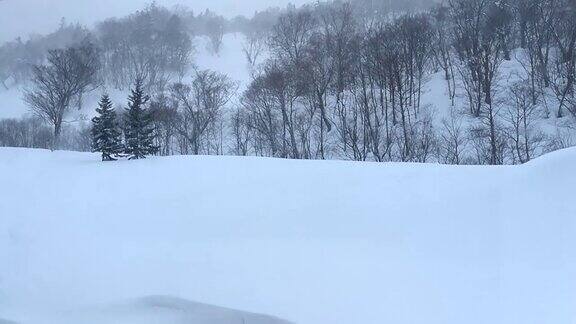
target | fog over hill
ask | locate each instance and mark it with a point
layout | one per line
(42, 16)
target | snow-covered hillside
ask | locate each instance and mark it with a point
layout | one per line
(231, 61)
(312, 242)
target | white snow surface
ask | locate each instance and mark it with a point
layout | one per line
(87, 242)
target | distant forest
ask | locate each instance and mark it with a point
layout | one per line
(329, 80)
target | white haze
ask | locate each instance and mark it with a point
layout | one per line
(25, 17)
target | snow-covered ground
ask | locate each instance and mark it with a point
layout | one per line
(152, 310)
(311, 242)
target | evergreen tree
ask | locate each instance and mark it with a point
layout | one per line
(105, 131)
(139, 130)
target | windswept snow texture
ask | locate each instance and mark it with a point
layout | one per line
(312, 242)
(155, 310)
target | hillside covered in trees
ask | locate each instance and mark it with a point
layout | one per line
(456, 82)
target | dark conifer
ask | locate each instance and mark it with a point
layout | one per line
(139, 129)
(105, 131)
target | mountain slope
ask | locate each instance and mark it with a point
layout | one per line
(308, 241)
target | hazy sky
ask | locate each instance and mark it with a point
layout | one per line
(23, 17)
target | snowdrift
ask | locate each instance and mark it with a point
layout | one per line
(310, 242)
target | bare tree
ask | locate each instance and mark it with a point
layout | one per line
(264, 117)
(442, 47)
(536, 19)
(241, 131)
(481, 48)
(164, 112)
(290, 36)
(521, 117)
(68, 74)
(253, 47)
(453, 140)
(564, 35)
(215, 31)
(200, 105)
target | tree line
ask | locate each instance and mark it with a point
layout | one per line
(336, 86)
(336, 83)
